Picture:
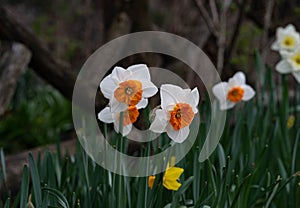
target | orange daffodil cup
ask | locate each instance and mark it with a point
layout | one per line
(232, 92)
(127, 91)
(178, 108)
(287, 43)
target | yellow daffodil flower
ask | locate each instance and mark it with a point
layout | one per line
(170, 179)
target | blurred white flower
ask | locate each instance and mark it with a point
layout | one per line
(287, 40)
(231, 92)
(178, 107)
(290, 64)
(129, 117)
(128, 87)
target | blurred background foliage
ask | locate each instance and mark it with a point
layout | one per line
(38, 115)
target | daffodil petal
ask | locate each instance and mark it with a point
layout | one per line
(220, 91)
(168, 94)
(192, 98)
(116, 106)
(173, 173)
(139, 71)
(160, 122)
(172, 185)
(142, 104)
(149, 89)
(238, 78)
(285, 54)
(105, 115)
(290, 28)
(283, 67)
(226, 105)
(118, 74)
(178, 136)
(248, 93)
(107, 87)
(275, 46)
(297, 76)
(171, 178)
(126, 129)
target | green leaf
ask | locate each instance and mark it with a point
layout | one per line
(7, 203)
(215, 132)
(35, 182)
(181, 190)
(58, 195)
(24, 187)
(3, 165)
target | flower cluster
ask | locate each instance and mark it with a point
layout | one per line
(128, 91)
(287, 43)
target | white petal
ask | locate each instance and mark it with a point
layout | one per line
(107, 87)
(116, 106)
(248, 93)
(275, 46)
(226, 105)
(106, 116)
(118, 74)
(178, 136)
(238, 78)
(283, 67)
(160, 122)
(142, 104)
(290, 28)
(149, 89)
(168, 95)
(126, 129)
(285, 54)
(192, 98)
(220, 90)
(297, 76)
(139, 72)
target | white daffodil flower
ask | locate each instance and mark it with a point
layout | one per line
(178, 107)
(291, 64)
(127, 87)
(231, 92)
(129, 117)
(287, 40)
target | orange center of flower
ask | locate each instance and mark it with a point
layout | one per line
(129, 92)
(235, 94)
(130, 115)
(181, 116)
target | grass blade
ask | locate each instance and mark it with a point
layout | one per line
(35, 182)
(58, 195)
(7, 203)
(24, 187)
